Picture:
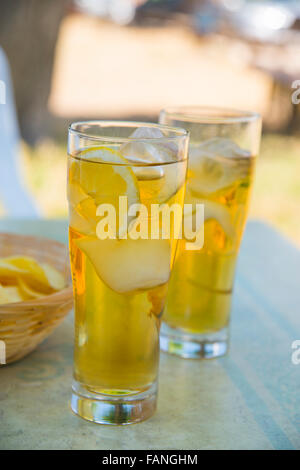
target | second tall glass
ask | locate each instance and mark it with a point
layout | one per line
(223, 146)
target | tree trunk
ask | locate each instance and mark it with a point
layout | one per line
(28, 33)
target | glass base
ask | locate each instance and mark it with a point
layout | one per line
(194, 346)
(112, 409)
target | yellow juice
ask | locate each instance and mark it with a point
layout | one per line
(119, 284)
(200, 288)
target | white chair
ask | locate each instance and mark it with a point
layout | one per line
(13, 195)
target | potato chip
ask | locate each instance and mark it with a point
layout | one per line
(27, 291)
(42, 273)
(9, 271)
(24, 278)
(10, 294)
(3, 297)
(13, 294)
(54, 277)
(29, 266)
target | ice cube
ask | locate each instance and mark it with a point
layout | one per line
(155, 133)
(128, 265)
(144, 155)
(218, 146)
(141, 154)
(147, 133)
(216, 164)
(148, 152)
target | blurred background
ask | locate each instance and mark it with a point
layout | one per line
(63, 60)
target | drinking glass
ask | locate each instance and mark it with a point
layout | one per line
(118, 171)
(223, 147)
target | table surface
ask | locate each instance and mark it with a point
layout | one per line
(246, 400)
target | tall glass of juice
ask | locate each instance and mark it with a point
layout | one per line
(223, 147)
(120, 260)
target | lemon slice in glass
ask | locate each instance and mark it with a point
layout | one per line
(212, 210)
(104, 175)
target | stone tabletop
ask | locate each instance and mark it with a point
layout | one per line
(247, 400)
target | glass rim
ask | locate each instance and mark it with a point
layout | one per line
(210, 114)
(177, 131)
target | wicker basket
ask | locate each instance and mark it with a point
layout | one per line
(24, 325)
